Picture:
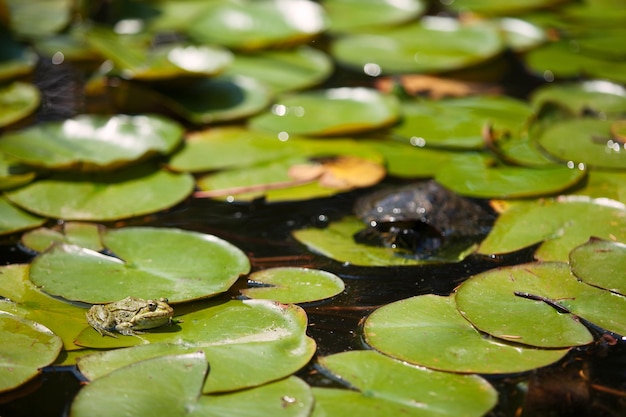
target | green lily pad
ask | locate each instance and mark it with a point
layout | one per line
(521, 35)
(584, 140)
(359, 15)
(85, 235)
(600, 263)
(561, 225)
(129, 192)
(217, 99)
(17, 101)
(51, 16)
(518, 319)
(293, 285)
(598, 96)
(26, 348)
(148, 263)
(458, 123)
(270, 336)
(491, 7)
(335, 111)
(428, 330)
(252, 25)
(13, 219)
(13, 174)
(64, 319)
(434, 44)
(282, 71)
(15, 59)
(92, 142)
(473, 176)
(387, 387)
(605, 184)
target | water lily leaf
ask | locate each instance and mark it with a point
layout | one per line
(472, 176)
(17, 101)
(15, 60)
(428, 330)
(85, 235)
(521, 35)
(518, 319)
(491, 7)
(598, 96)
(93, 142)
(26, 347)
(148, 263)
(335, 111)
(458, 123)
(217, 99)
(252, 25)
(600, 263)
(129, 192)
(387, 387)
(51, 16)
(64, 319)
(13, 219)
(562, 224)
(605, 184)
(282, 71)
(584, 140)
(13, 174)
(271, 336)
(355, 15)
(293, 285)
(433, 44)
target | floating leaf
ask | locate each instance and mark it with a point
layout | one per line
(13, 174)
(598, 96)
(388, 387)
(428, 330)
(85, 235)
(563, 224)
(26, 347)
(15, 60)
(13, 219)
(490, 7)
(93, 142)
(600, 263)
(51, 16)
(148, 263)
(17, 101)
(359, 15)
(335, 111)
(293, 285)
(521, 35)
(129, 192)
(270, 336)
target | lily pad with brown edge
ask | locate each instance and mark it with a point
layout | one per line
(329, 112)
(218, 99)
(459, 123)
(598, 96)
(588, 141)
(428, 330)
(26, 300)
(357, 15)
(292, 285)
(13, 219)
(17, 101)
(85, 235)
(124, 193)
(257, 24)
(386, 387)
(473, 176)
(270, 336)
(561, 224)
(283, 70)
(433, 44)
(600, 263)
(27, 347)
(93, 142)
(147, 263)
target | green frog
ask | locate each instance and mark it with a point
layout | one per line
(129, 316)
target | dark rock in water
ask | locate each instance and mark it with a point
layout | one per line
(420, 218)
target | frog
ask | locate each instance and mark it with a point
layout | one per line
(129, 316)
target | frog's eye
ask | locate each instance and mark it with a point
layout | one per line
(152, 305)
(164, 300)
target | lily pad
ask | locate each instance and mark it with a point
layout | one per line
(491, 7)
(561, 225)
(293, 285)
(51, 16)
(148, 263)
(433, 44)
(600, 263)
(13, 219)
(359, 15)
(17, 101)
(270, 336)
(428, 330)
(387, 387)
(15, 59)
(598, 96)
(92, 142)
(14, 174)
(472, 176)
(129, 192)
(85, 235)
(330, 112)
(252, 25)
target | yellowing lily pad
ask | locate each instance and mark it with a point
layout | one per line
(148, 263)
(17, 101)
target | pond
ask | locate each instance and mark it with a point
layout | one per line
(217, 155)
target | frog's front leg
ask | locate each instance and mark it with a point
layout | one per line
(126, 329)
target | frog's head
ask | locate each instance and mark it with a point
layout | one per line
(153, 313)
